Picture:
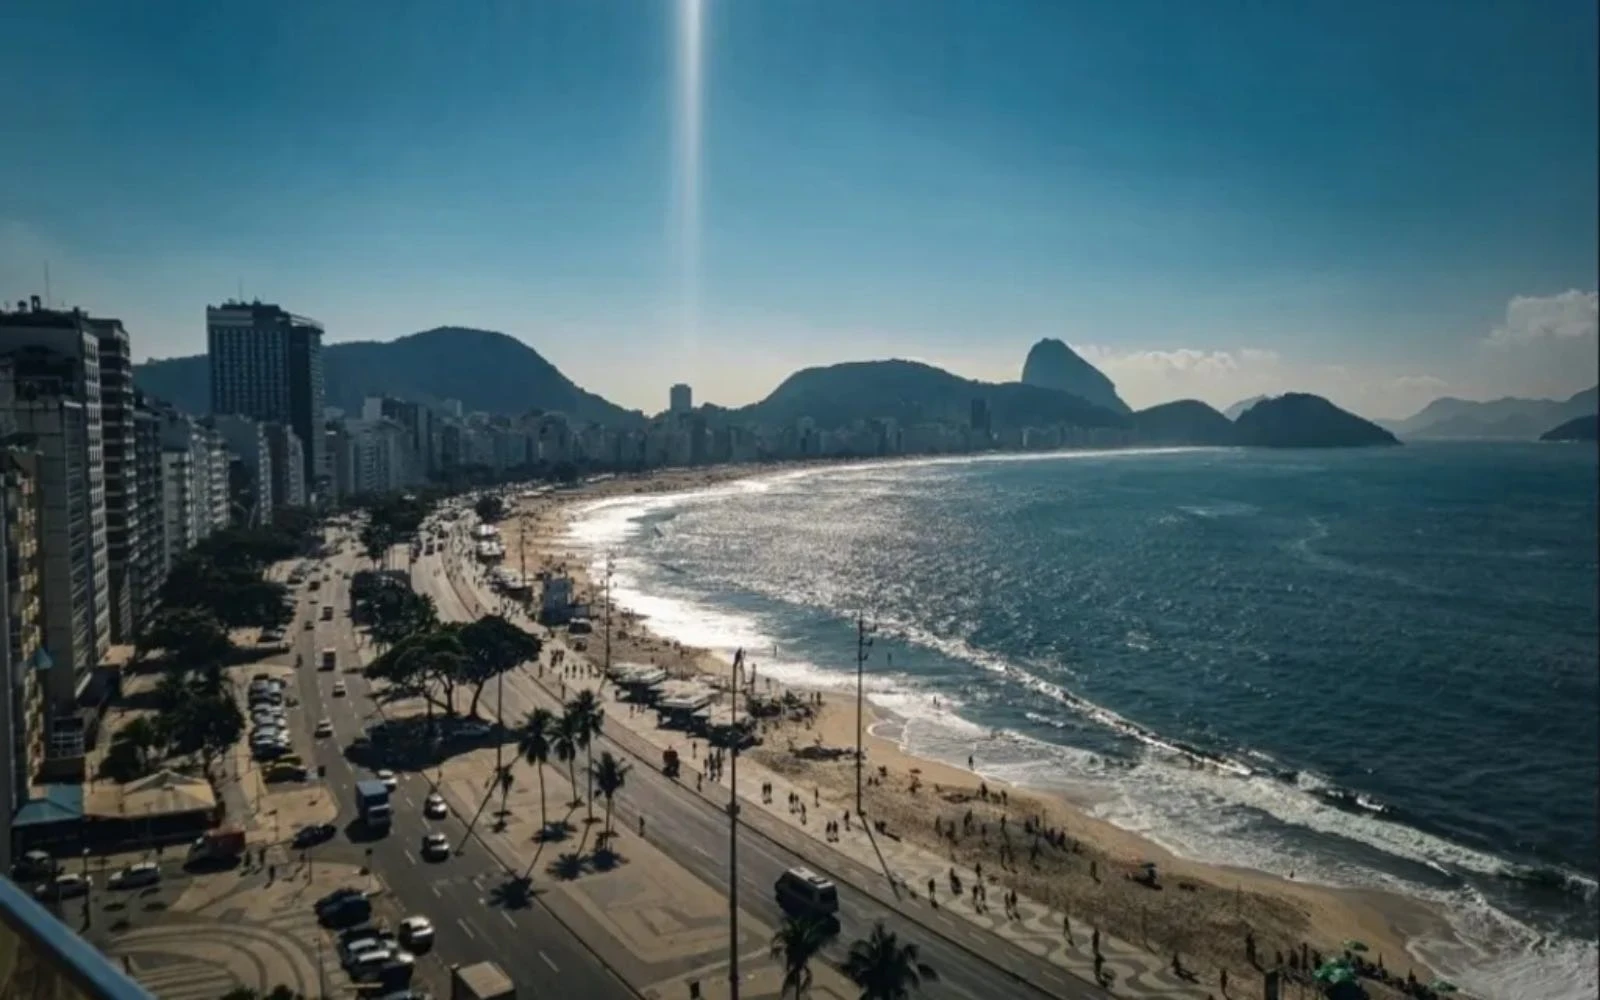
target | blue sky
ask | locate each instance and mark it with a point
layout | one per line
(1378, 201)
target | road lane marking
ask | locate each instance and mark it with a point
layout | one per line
(436, 894)
(513, 923)
(553, 966)
(464, 927)
(409, 857)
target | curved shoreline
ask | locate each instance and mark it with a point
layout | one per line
(1394, 924)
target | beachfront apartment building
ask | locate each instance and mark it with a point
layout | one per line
(149, 542)
(250, 473)
(121, 471)
(266, 364)
(55, 399)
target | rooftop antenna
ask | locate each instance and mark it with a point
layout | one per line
(241, 289)
(47, 302)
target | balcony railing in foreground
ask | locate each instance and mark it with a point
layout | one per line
(40, 957)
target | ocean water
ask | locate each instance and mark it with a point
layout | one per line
(1368, 668)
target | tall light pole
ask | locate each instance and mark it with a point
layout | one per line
(607, 671)
(733, 832)
(863, 644)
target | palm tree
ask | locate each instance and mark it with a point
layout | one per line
(565, 741)
(506, 781)
(588, 717)
(610, 774)
(501, 778)
(884, 968)
(798, 940)
(533, 746)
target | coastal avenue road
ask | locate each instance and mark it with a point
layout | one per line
(695, 834)
(538, 952)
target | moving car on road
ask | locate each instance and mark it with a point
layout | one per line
(338, 689)
(803, 892)
(324, 728)
(434, 806)
(435, 846)
(387, 777)
(416, 933)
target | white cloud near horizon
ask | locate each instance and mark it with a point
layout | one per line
(1546, 347)
(1569, 316)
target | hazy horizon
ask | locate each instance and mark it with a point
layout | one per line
(1381, 206)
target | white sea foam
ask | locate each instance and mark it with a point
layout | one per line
(1206, 809)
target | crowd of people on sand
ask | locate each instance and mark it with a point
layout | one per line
(1004, 837)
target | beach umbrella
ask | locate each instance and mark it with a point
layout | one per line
(1354, 946)
(1442, 986)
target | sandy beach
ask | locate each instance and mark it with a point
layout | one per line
(1082, 869)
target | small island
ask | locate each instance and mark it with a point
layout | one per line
(1301, 420)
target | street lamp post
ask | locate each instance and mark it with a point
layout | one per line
(863, 644)
(733, 829)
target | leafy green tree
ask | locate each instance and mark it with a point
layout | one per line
(395, 613)
(206, 723)
(884, 968)
(588, 716)
(796, 943)
(533, 746)
(425, 664)
(610, 774)
(493, 646)
(134, 749)
(235, 593)
(489, 508)
(191, 637)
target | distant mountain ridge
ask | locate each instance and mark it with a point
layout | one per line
(1184, 422)
(911, 392)
(1051, 364)
(1301, 420)
(1506, 418)
(1233, 412)
(1585, 428)
(485, 370)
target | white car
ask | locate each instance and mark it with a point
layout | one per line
(435, 845)
(434, 806)
(387, 777)
(64, 887)
(338, 689)
(324, 728)
(416, 932)
(132, 877)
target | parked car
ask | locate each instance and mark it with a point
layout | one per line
(64, 887)
(135, 876)
(317, 833)
(35, 865)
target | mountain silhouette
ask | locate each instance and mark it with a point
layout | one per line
(911, 392)
(1051, 364)
(487, 371)
(1301, 420)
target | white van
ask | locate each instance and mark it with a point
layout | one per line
(803, 891)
